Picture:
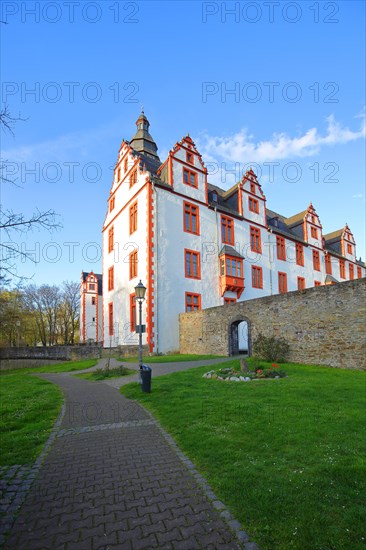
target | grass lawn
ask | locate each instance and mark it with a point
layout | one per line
(68, 366)
(287, 456)
(29, 407)
(102, 374)
(177, 358)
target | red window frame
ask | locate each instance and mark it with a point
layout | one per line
(133, 312)
(342, 269)
(110, 319)
(351, 272)
(111, 278)
(133, 177)
(125, 165)
(281, 248)
(349, 249)
(227, 230)
(255, 239)
(301, 283)
(111, 204)
(252, 188)
(133, 262)
(317, 283)
(133, 217)
(328, 264)
(192, 264)
(93, 300)
(257, 277)
(111, 239)
(228, 301)
(118, 174)
(189, 157)
(191, 218)
(316, 260)
(299, 254)
(253, 205)
(187, 177)
(314, 232)
(359, 272)
(231, 267)
(91, 286)
(282, 282)
(192, 301)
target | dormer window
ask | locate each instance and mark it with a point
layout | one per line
(214, 196)
(252, 188)
(190, 158)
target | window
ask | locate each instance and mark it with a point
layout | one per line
(328, 264)
(252, 188)
(111, 204)
(91, 286)
(231, 267)
(125, 166)
(317, 283)
(132, 312)
(227, 230)
(133, 177)
(229, 301)
(111, 239)
(133, 218)
(316, 260)
(191, 218)
(93, 319)
(111, 278)
(110, 319)
(359, 272)
(300, 283)
(119, 174)
(351, 272)
(214, 196)
(189, 177)
(349, 249)
(193, 302)
(255, 240)
(253, 205)
(257, 277)
(93, 301)
(282, 282)
(299, 254)
(313, 219)
(314, 232)
(190, 158)
(192, 264)
(133, 259)
(281, 248)
(342, 269)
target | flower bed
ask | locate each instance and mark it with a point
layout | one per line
(244, 375)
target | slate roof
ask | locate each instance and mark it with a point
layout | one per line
(334, 236)
(296, 219)
(230, 251)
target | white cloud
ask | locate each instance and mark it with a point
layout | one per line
(241, 147)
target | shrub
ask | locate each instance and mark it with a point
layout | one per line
(271, 348)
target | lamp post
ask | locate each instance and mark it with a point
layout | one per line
(140, 291)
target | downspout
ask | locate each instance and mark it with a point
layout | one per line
(270, 260)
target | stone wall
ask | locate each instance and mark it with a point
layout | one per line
(62, 353)
(324, 325)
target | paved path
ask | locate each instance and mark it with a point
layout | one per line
(114, 479)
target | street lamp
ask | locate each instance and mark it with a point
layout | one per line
(140, 291)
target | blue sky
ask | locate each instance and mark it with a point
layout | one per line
(279, 86)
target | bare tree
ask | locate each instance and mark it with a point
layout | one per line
(69, 311)
(14, 223)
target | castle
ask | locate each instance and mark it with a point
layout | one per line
(196, 246)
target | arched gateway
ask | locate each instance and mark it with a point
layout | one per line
(239, 336)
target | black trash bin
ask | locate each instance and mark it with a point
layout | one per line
(145, 373)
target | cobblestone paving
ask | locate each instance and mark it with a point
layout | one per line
(114, 479)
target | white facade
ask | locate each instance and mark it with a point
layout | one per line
(91, 308)
(198, 246)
